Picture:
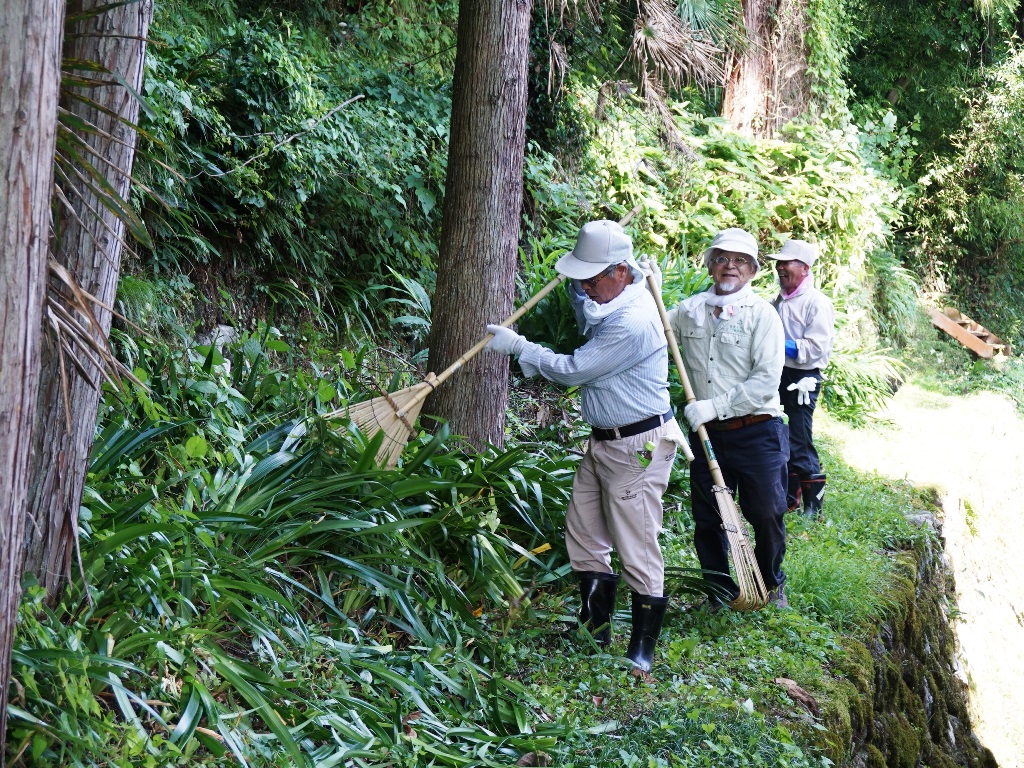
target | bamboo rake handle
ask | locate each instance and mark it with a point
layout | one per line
(476, 348)
(702, 432)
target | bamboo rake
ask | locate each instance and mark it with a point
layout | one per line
(753, 594)
(394, 414)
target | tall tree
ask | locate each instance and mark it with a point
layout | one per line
(480, 224)
(748, 85)
(766, 82)
(104, 51)
(30, 35)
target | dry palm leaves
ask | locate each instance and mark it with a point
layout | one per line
(79, 335)
(666, 49)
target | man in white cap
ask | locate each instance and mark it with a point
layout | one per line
(622, 372)
(809, 322)
(732, 346)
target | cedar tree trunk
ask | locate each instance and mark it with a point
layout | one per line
(30, 35)
(89, 244)
(482, 207)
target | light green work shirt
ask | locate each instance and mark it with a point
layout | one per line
(736, 361)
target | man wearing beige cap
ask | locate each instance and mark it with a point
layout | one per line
(732, 346)
(809, 322)
(622, 372)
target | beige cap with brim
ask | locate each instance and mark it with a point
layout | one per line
(599, 244)
(796, 250)
(734, 240)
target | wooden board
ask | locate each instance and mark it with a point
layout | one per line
(971, 334)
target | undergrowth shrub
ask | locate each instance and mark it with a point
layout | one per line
(276, 163)
(252, 588)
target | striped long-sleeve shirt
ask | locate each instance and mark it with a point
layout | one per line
(622, 370)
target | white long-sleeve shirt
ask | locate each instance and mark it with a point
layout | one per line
(735, 362)
(808, 318)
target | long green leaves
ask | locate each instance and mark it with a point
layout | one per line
(275, 594)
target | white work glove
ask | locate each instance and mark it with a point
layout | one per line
(505, 341)
(806, 385)
(649, 266)
(700, 412)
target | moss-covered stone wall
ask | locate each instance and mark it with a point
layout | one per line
(896, 700)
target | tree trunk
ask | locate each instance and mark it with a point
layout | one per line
(791, 84)
(482, 207)
(30, 34)
(89, 243)
(749, 72)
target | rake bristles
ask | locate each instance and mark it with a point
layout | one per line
(393, 415)
(753, 594)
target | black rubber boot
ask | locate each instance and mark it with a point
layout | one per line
(793, 492)
(597, 603)
(648, 614)
(814, 495)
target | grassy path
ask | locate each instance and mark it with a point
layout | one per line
(971, 450)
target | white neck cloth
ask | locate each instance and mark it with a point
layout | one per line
(594, 313)
(694, 306)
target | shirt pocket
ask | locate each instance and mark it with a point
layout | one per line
(691, 332)
(734, 340)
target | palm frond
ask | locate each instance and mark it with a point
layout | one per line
(665, 49)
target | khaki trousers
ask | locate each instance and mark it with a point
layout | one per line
(616, 504)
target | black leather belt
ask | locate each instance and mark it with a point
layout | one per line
(631, 429)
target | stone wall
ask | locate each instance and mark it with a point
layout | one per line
(899, 700)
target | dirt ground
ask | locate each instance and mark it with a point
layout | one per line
(972, 450)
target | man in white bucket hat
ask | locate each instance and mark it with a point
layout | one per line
(731, 341)
(622, 372)
(809, 322)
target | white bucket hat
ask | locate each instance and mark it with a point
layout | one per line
(599, 244)
(796, 250)
(733, 239)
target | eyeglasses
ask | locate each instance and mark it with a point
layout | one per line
(739, 261)
(591, 282)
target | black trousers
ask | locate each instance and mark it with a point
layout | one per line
(752, 460)
(803, 456)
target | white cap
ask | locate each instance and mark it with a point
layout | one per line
(735, 240)
(599, 244)
(796, 250)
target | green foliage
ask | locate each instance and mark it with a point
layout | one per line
(415, 302)
(828, 39)
(276, 149)
(252, 588)
(895, 294)
(970, 231)
(154, 304)
(860, 381)
(839, 572)
(917, 57)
